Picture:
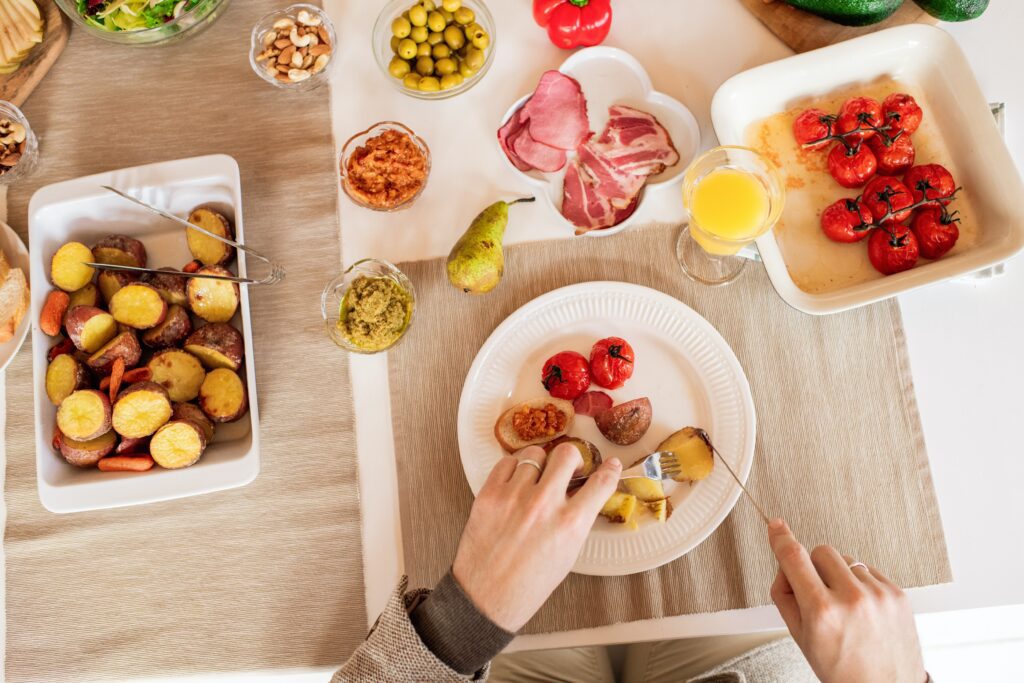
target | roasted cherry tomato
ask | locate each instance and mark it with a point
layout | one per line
(901, 113)
(936, 231)
(930, 180)
(892, 252)
(611, 362)
(566, 375)
(813, 127)
(847, 220)
(861, 114)
(852, 166)
(888, 199)
(895, 154)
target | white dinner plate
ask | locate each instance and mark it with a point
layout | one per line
(610, 76)
(17, 255)
(683, 365)
(82, 210)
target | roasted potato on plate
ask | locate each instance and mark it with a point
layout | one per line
(67, 267)
(86, 296)
(179, 372)
(87, 453)
(84, 415)
(110, 282)
(223, 397)
(626, 423)
(171, 287)
(693, 451)
(89, 328)
(193, 413)
(124, 346)
(214, 301)
(120, 250)
(177, 444)
(217, 345)
(139, 306)
(205, 249)
(64, 376)
(141, 409)
(171, 332)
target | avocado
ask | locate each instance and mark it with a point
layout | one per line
(954, 10)
(854, 12)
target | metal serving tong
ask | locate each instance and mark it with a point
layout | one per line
(277, 272)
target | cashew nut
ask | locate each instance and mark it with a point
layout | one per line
(283, 24)
(299, 41)
(321, 63)
(306, 18)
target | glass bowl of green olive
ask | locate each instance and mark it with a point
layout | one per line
(434, 49)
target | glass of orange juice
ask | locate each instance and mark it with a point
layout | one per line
(733, 196)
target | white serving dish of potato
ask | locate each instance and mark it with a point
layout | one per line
(82, 210)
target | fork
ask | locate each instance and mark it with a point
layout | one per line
(277, 272)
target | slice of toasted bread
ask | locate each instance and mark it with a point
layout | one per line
(14, 303)
(512, 442)
(5, 266)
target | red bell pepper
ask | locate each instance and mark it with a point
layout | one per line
(572, 23)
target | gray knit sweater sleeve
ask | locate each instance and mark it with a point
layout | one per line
(396, 650)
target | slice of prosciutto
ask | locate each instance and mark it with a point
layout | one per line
(586, 207)
(558, 112)
(507, 135)
(635, 143)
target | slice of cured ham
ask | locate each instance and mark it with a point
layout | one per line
(558, 112)
(586, 207)
(634, 142)
(507, 134)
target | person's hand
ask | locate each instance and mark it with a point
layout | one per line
(524, 533)
(853, 625)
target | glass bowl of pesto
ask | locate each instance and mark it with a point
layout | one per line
(143, 22)
(368, 308)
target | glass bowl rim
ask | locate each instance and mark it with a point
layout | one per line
(337, 280)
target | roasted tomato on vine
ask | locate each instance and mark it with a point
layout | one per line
(894, 154)
(861, 114)
(847, 220)
(930, 180)
(893, 252)
(566, 375)
(887, 198)
(852, 166)
(611, 362)
(901, 113)
(813, 127)
(936, 231)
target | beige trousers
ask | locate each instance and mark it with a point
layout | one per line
(666, 661)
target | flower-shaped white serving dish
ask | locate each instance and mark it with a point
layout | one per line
(611, 76)
(924, 58)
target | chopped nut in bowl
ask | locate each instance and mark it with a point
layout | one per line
(292, 48)
(19, 148)
(385, 167)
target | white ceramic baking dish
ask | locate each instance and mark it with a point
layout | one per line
(82, 210)
(919, 55)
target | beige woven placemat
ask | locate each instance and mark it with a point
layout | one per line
(264, 576)
(839, 447)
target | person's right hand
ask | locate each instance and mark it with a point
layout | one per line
(853, 625)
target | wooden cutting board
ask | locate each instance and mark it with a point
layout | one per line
(16, 87)
(804, 31)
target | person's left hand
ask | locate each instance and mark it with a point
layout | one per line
(524, 533)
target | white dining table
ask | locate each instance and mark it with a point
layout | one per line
(966, 337)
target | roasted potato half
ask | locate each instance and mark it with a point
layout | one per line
(223, 397)
(87, 453)
(205, 249)
(89, 328)
(140, 410)
(214, 301)
(120, 250)
(139, 306)
(64, 376)
(86, 296)
(67, 267)
(179, 372)
(193, 413)
(619, 508)
(177, 444)
(171, 287)
(171, 332)
(84, 415)
(626, 423)
(110, 282)
(588, 451)
(693, 451)
(124, 346)
(217, 345)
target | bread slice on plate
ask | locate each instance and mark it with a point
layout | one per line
(14, 303)
(5, 265)
(510, 439)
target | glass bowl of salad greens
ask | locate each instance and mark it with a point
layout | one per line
(142, 22)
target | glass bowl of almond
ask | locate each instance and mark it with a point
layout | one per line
(293, 47)
(19, 149)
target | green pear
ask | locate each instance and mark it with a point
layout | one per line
(477, 261)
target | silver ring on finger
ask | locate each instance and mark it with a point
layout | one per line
(859, 564)
(531, 463)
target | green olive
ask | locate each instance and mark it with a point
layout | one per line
(407, 48)
(399, 68)
(405, 15)
(400, 27)
(454, 37)
(424, 66)
(448, 81)
(474, 59)
(482, 41)
(451, 5)
(429, 84)
(466, 70)
(445, 66)
(411, 81)
(435, 38)
(423, 50)
(448, 16)
(395, 42)
(428, 5)
(436, 22)
(419, 34)
(463, 15)
(441, 51)
(418, 15)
